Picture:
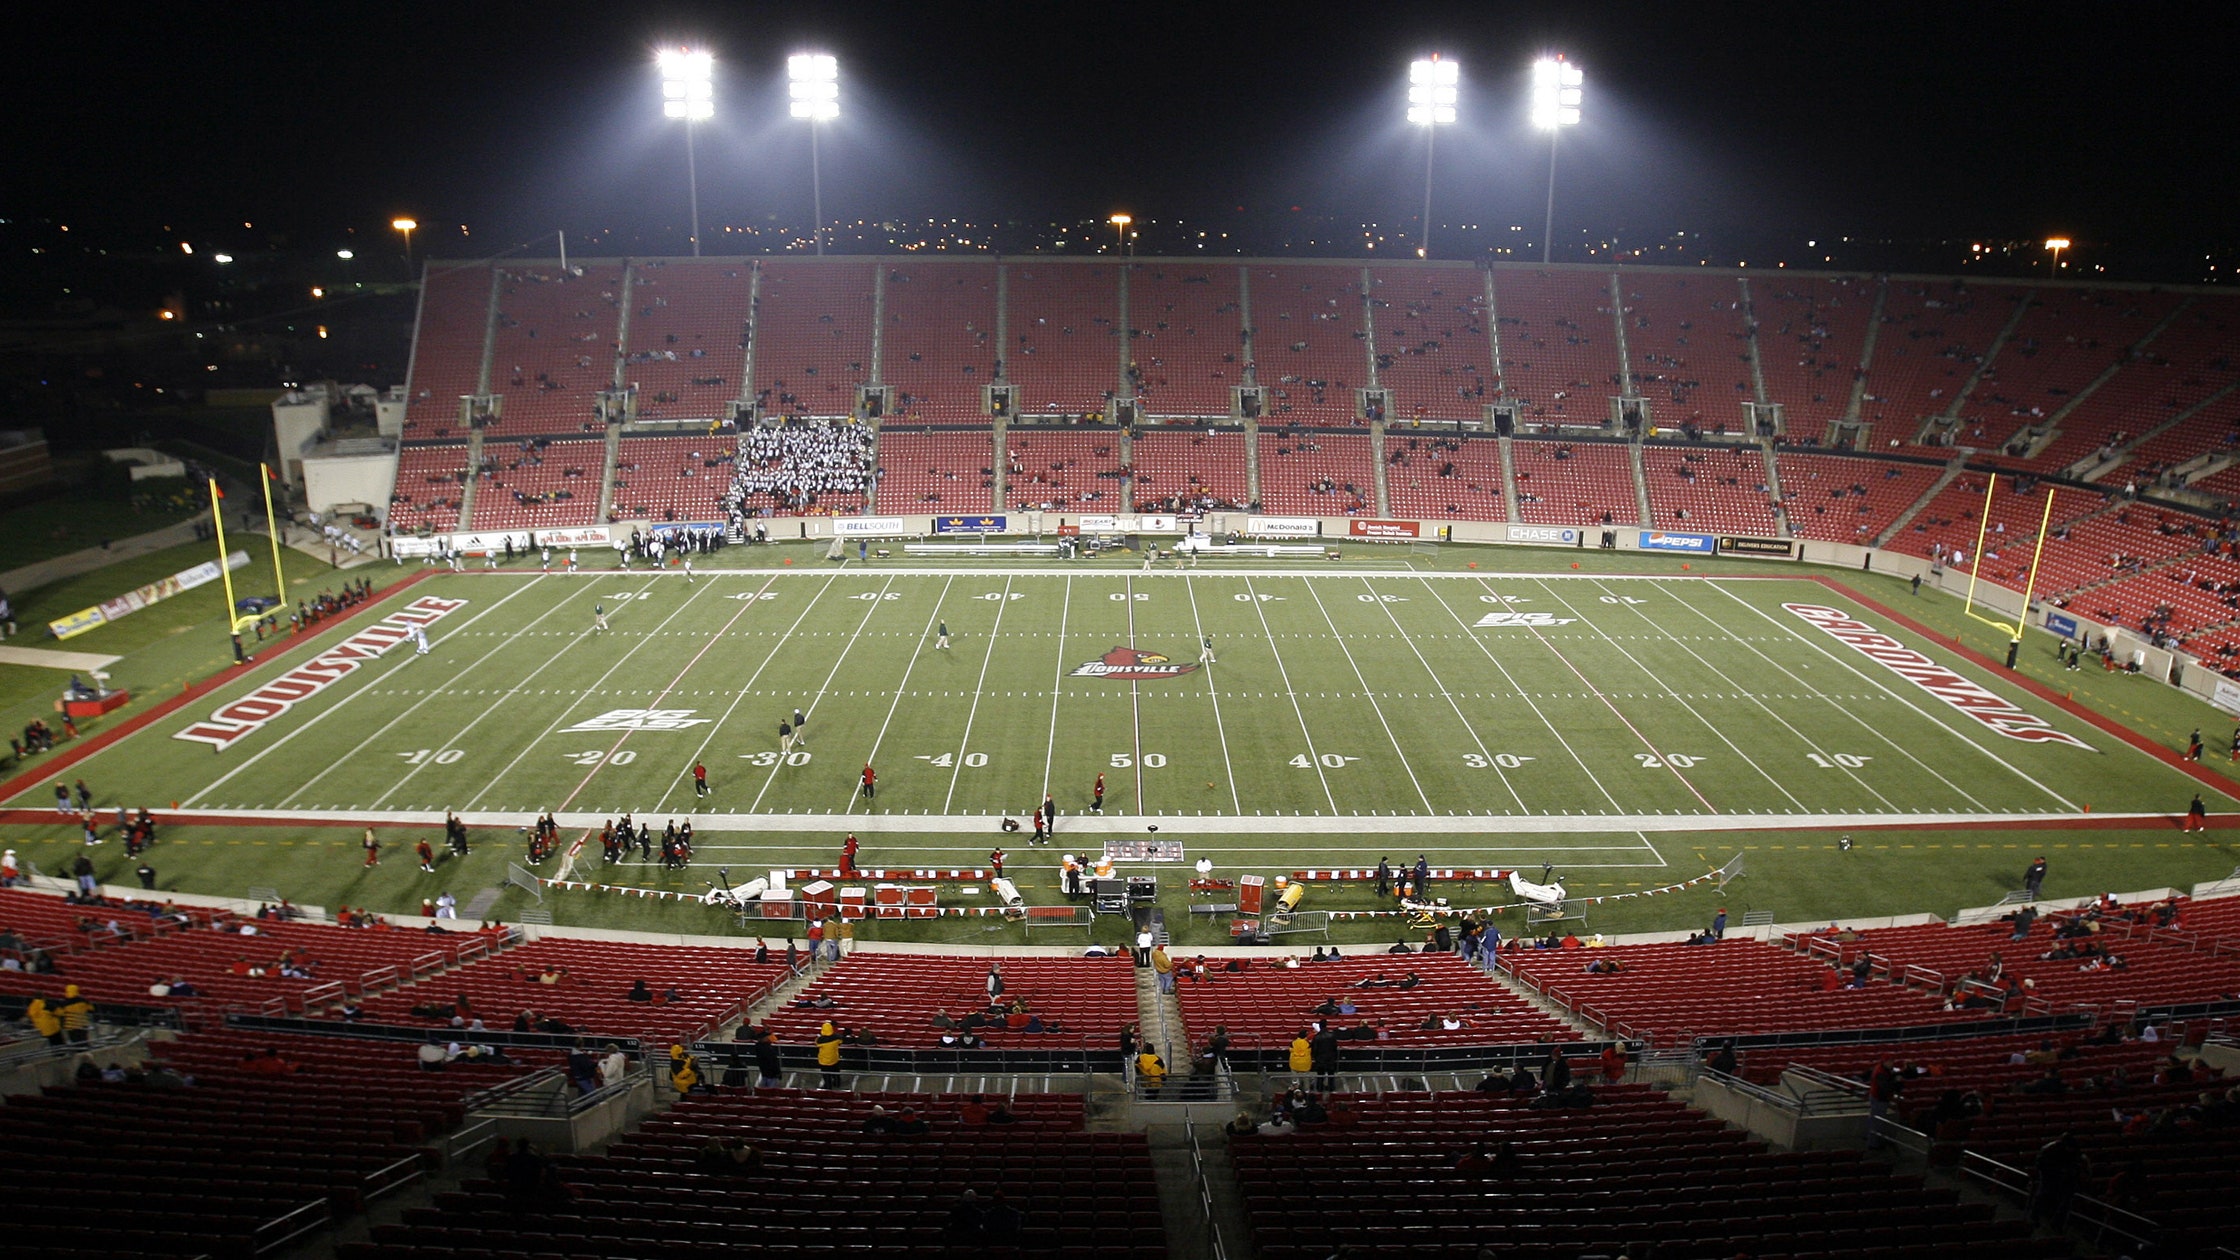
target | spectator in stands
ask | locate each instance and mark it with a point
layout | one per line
(613, 1065)
(2056, 1174)
(828, 1055)
(684, 1073)
(638, 992)
(76, 1012)
(1151, 1070)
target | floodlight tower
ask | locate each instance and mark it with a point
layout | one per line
(1557, 88)
(1120, 224)
(814, 85)
(688, 93)
(406, 226)
(1433, 86)
(2056, 244)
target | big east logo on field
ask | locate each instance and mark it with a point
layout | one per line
(1128, 663)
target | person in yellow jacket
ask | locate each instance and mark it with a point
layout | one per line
(46, 1021)
(828, 1054)
(684, 1070)
(1302, 1055)
(77, 1016)
(1151, 1070)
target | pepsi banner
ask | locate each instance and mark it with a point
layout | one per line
(2062, 624)
(1659, 540)
(969, 524)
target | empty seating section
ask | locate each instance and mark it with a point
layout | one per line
(428, 488)
(1309, 345)
(538, 484)
(897, 996)
(823, 1185)
(1574, 483)
(1559, 353)
(554, 348)
(1180, 469)
(56, 925)
(1983, 1064)
(1263, 1009)
(224, 1166)
(1689, 349)
(1633, 1174)
(1454, 478)
(1064, 470)
(447, 351)
(688, 337)
(1065, 337)
(1955, 515)
(1185, 338)
(1433, 354)
(2186, 363)
(672, 478)
(1812, 334)
(1842, 499)
(2064, 341)
(2153, 974)
(940, 340)
(228, 969)
(710, 986)
(812, 342)
(1718, 488)
(1313, 473)
(2212, 430)
(935, 470)
(1932, 336)
(1669, 993)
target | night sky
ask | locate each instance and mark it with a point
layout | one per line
(2108, 123)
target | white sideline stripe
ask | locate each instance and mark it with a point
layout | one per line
(1174, 825)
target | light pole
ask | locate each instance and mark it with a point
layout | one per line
(1432, 90)
(406, 226)
(688, 93)
(2056, 244)
(814, 86)
(346, 255)
(1120, 224)
(1557, 88)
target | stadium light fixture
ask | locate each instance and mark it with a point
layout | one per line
(1120, 224)
(1558, 89)
(1434, 86)
(406, 226)
(2057, 244)
(688, 94)
(813, 84)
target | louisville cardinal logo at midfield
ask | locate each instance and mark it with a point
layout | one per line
(1128, 663)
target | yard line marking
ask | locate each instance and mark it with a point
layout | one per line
(1597, 693)
(746, 689)
(1447, 695)
(1190, 585)
(1374, 707)
(1887, 690)
(979, 688)
(1874, 731)
(1260, 608)
(322, 716)
(1057, 688)
(880, 738)
(1135, 693)
(1479, 642)
(573, 701)
(1666, 688)
(824, 688)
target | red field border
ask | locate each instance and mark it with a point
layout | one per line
(86, 746)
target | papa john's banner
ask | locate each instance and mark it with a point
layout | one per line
(1358, 528)
(1978, 704)
(252, 712)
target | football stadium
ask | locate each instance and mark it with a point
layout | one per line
(810, 752)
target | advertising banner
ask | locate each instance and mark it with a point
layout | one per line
(133, 601)
(1098, 525)
(1359, 528)
(1660, 540)
(2226, 696)
(870, 527)
(1158, 524)
(969, 524)
(1282, 527)
(1757, 546)
(2062, 624)
(1544, 534)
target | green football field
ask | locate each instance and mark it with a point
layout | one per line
(1628, 729)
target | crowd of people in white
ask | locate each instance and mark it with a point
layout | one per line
(787, 469)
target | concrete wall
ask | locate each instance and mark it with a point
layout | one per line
(329, 480)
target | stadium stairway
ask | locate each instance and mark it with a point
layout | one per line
(1640, 483)
(1952, 473)
(1509, 478)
